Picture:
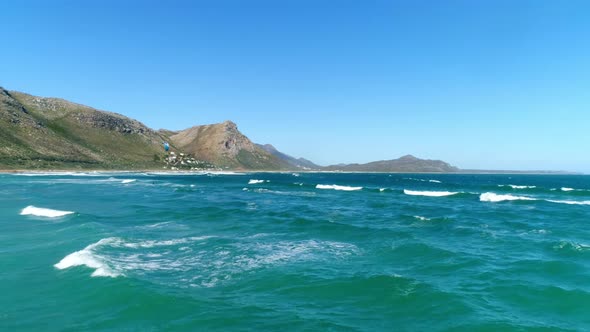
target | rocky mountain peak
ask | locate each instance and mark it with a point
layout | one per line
(408, 157)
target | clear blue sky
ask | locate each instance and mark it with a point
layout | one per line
(480, 84)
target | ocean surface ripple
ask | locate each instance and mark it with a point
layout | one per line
(294, 251)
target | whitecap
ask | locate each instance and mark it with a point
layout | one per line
(434, 181)
(514, 186)
(570, 202)
(254, 181)
(429, 193)
(161, 243)
(421, 218)
(42, 212)
(337, 187)
(128, 181)
(89, 258)
(491, 197)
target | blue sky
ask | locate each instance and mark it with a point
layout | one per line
(480, 84)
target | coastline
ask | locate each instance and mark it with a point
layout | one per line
(229, 171)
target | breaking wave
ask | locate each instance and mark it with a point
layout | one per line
(429, 193)
(254, 181)
(491, 197)
(89, 258)
(514, 186)
(42, 212)
(337, 187)
(189, 263)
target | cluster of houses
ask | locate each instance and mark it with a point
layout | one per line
(183, 161)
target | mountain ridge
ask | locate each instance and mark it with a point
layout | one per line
(54, 133)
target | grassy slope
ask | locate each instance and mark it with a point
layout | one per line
(50, 134)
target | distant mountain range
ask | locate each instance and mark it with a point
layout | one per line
(406, 163)
(52, 133)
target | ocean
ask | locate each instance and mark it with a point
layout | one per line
(294, 252)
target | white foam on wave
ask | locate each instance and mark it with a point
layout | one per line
(128, 181)
(491, 197)
(434, 181)
(155, 243)
(42, 212)
(89, 258)
(429, 193)
(382, 189)
(575, 246)
(570, 202)
(421, 218)
(114, 265)
(254, 181)
(567, 189)
(514, 186)
(337, 187)
(285, 193)
(185, 261)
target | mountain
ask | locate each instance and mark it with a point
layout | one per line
(224, 145)
(297, 163)
(52, 133)
(40, 132)
(406, 163)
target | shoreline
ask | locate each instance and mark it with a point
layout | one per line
(221, 172)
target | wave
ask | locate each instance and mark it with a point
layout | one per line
(163, 243)
(573, 189)
(113, 257)
(128, 181)
(429, 193)
(572, 246)
(491, 197)
(42, 212)
(88, 257)
(421, 218)
(423, 180)
(285, 193)
(570, 202)
(337, 187)
(254, 181)
(514, 186)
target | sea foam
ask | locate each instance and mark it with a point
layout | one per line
(337, 187)
(570, 202)
(491, 197)
(429, 193)
(42, 212)
(254, 181)
(514, 186)
(88, 257)
(128, 181)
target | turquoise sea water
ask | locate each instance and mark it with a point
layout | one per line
(294, 252)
